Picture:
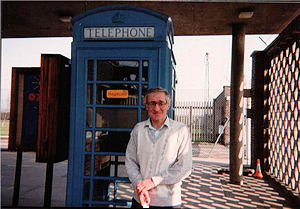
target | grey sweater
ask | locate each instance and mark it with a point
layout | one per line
(167, 160)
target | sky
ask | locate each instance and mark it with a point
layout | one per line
(189, 51)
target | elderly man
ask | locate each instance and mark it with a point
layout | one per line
(158, 155)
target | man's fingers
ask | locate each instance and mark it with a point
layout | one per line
(144, 198)
(147, 197)
(140, 188)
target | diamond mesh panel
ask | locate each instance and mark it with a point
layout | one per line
(283, 108)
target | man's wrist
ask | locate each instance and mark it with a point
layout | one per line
(156, 180)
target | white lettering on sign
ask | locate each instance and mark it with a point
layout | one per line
(119, 32)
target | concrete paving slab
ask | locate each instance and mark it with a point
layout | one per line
(204, 188)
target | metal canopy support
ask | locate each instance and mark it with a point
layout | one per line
(17, 183)
(48, 185)
(236, 104)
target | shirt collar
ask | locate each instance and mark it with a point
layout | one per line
(166, 123)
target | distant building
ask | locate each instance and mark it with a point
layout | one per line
(4, 116)
(221, 112)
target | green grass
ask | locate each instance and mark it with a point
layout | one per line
(4, 127)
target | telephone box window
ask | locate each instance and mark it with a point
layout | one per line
(89, 94)
(123, 118)
(106, 165)
(111, 141)
(113, 70)
(102, 165)
(144, 114)
(120, 170)
(90, 75)
(144, 91)
(89, 117)
(145, 70)
(88, 139)
(86, 189)
(107, 141)
(100, 189)
(87, 165)
(101, 142)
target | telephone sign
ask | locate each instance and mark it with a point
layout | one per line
(119, 32)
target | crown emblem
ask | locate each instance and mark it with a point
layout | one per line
(118, 18)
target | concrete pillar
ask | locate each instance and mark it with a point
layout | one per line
(236, 104)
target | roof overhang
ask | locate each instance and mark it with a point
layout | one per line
(22, 19)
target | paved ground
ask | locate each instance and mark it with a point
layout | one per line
(205, 188)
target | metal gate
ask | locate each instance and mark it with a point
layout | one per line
(199, 117)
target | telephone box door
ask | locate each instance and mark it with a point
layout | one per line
(112, 88)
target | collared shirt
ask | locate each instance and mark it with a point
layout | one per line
(156, 132)
(167, 160)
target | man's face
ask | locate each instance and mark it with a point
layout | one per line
(157, 106)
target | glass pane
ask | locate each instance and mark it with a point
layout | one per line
(89, 94)
(124, 191)
(144, 91)
(88, 141)
(119, 170)
(101, 190)
(86, 189)
(173, 78)
(122, 171)
(103, 96)
(87, 165)
(90, 70)
(116, 117)
(89, 117)
(113, 70)
(101, 141)
(144, 114)
(111, 141)
(102, 165)
(145, 70)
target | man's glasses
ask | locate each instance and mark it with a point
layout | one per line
(153, 104)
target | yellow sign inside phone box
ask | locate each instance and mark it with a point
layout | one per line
(117, 93)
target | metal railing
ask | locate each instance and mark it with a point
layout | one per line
(199, 117)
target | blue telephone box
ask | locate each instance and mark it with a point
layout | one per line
(118, 52)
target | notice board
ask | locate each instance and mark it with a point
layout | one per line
(54, 109)
(24, 109)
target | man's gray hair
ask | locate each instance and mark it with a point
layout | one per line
(156, 90)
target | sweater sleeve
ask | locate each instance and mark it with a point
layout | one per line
(131, 161)
(183, 165)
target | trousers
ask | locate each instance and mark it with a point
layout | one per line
(135, 204)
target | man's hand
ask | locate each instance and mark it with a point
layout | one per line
(142, 188)
(144, 198)
(145, 184)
